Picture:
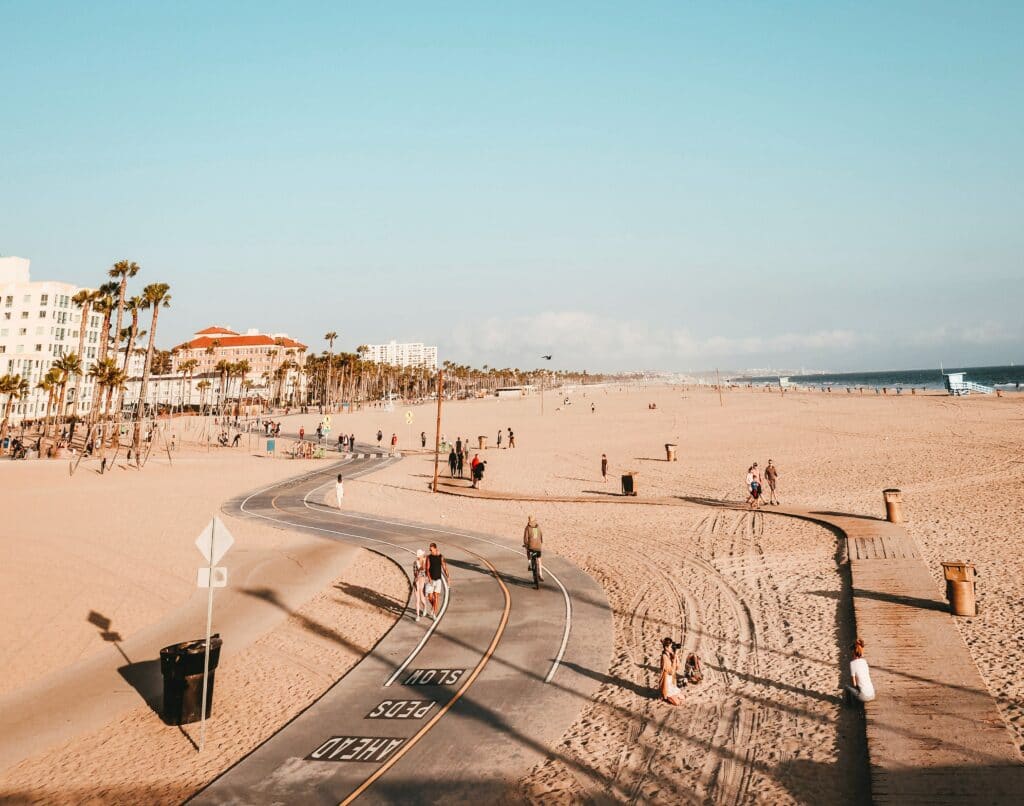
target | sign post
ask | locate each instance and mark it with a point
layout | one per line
(408, 429)
(437, 433)
(213, 543)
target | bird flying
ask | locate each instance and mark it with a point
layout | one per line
(546, 357)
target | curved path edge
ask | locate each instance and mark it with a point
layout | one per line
(457, 709)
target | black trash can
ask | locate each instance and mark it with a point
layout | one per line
(629, 484)
(182, 668)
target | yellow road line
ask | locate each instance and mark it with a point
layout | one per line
(411, 742)
(458, 694)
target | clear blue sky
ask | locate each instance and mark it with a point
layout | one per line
(833, 185)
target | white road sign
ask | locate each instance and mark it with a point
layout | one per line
(222, 541)
(220, 577)
(408, 417)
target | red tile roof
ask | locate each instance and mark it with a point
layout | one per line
(213, 330)
(202, 342)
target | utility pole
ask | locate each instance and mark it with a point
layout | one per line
(437, 433)
(718, 381)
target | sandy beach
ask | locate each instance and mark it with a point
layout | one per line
(764, 601)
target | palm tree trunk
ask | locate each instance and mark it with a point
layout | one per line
(137, 435)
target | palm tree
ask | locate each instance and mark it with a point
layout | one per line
(202, 386)
(66, 365)
(15, 387)
(121, 271)
(224, 368)
(104, 303)
(154, 296)
(330, 337)
(84, 299)
(133, 305)
(186, 368)
(49, 384)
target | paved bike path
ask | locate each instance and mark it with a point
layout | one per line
(458, 709)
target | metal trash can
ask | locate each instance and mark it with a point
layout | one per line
(893, 505)
(670, 451)
(629, 483)
(960, 587)
(182, 668)
(483, 443)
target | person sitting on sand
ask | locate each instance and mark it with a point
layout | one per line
(670, 691)
(862, 689)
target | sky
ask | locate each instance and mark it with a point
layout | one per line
(675, 186)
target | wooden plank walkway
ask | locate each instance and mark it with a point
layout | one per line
(934, 733)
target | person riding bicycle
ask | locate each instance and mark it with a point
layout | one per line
(533, 542)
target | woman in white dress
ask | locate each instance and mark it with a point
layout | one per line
(419, 581)
(862, 689)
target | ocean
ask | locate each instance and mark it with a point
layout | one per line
(1009, 377)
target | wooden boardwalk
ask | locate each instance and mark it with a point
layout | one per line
(934, 732)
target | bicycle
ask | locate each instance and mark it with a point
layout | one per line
(535, 567)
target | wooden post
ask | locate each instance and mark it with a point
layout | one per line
(718, 379)
(437, 434)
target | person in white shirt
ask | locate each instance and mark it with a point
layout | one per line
(339, 490)
(862, 689)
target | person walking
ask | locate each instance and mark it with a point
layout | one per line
(499, 439)
(473, 469)
(341, 442)
(339, 490)
(771, 475)
(862, 690)
(453, 462)
(533, 543)
(380, 437)
(394, 443)
(753, 486)
(670, 691)
(437, 577)
(511, 439)
(604, 468)
(419, 583)
(302, 433)
(460, 463)
(458, 445)
(423, 439)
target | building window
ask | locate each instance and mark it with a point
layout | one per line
(44, 299)
(42, 315)
(22, 331)
(8, 302)
(24, 314)
(28, 298)
(39, 348)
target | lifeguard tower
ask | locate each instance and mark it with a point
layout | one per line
(957, 385)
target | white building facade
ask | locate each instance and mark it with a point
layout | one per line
(38, 324)
(413, 354)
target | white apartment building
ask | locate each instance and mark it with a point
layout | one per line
(38, 324)
(413, 354)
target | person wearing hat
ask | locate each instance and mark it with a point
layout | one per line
(419, 583)
(533, 542)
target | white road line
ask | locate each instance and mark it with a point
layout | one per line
(423, 640)
(568, 602)
(444, 604)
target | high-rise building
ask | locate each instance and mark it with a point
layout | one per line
(38, 324)
(413, 354)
